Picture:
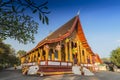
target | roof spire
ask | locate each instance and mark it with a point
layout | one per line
(78, 13)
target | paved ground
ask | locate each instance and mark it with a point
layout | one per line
(16, 75)
(107, 75)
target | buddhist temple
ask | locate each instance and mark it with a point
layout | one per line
(55, 53)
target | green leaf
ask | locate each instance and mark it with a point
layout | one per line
(16, 23)
(13, 8)
(34, 11)
(45, 7)
(43, 20)
(22, 9)
(28, 0)
(47, 12)
(40, 16)
(46, 19)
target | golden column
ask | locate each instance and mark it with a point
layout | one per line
(85, 56)
(22, 60)
(33, 57)
(90, 58)
(66, 49)
(70, 50)
(46, 48)
(78, 52)
(53, 56)
(81, 48)
(40, 51)
(36, 55)
(58, 47)
(30, 57)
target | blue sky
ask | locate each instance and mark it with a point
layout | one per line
(100, 20)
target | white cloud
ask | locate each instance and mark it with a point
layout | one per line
(118, 40)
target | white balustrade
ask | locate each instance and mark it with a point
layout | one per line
(53, 63)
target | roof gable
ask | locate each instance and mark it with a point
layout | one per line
(59, 33)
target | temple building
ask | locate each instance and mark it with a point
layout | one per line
(60, 47)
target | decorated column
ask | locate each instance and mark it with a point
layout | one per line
(34, 56)
(40, 51)
(81, 48)
(53, 56)
(22, 60)
(58, 48)
(36, 53)
(90, 58)
(30, 57)
(70, 50)
(78, 52)
(85, 55)
(46, 48)
(66, 49)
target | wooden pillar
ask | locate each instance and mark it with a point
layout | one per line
(70, 50)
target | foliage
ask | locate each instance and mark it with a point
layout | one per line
(7, 55)
(115, 57)
(21, 53)
(17, 23)
(105, 59)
